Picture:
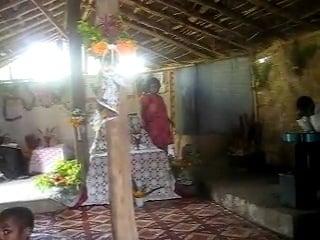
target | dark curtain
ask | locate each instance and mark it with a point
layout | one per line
(210, 97)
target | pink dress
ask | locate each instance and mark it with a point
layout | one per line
(155, 120)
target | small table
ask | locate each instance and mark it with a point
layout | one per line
(43, 160)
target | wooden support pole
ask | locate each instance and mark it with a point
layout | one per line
(77, 80)
(119, 173)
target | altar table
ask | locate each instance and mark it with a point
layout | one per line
(150, 168)
(43, 160)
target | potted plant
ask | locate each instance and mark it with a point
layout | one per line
(63, 182)
(185, 171)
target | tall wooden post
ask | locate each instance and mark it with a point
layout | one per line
(77, 81)
(119, 172)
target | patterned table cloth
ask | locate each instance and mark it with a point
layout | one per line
(43, 159)
(150, 168)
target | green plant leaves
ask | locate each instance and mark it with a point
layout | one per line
(90, 33)
(66, 174)
(300, 56)
(261, 72)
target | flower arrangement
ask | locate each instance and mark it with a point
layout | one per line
(183, 168)
(109, 31)
(77, 118)
(65, 174)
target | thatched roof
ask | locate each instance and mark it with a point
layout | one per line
(168, 31)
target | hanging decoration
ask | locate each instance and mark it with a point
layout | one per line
(78, 121)
(108, 32)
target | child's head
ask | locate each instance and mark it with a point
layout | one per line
(16, 223)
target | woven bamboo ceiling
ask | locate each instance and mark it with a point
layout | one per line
(169, 32)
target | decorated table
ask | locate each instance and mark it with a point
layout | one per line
(150, 167)
(44, 159)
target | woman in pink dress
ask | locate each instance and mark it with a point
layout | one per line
(154, 115)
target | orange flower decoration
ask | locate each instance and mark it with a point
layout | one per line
(99, 48)
(126, 47)
(77, 121)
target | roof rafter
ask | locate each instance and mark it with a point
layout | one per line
(11, 57)
(21, 30)
(49, 16)
(282, 13)
(142, 29)
(11, 5)
(33, 16)
(210, 53)
(229, 13)
(199, 16)
(189, 25)
(42, 28)
(147, 49)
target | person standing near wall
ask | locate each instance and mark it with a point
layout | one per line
(154, 115)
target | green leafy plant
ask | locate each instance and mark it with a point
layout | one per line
(187, 164)
(90, 33)
(65, 174)
(300, 56)
(261, 72)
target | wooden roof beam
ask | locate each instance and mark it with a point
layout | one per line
(228, 12)
(210, 53)
(156, 53)
(27, 10)
(17, 23)
(46, 27)
(164, 38)
(199, 16)
(281, 12)
(11, 57)
(22, 30)
(11, 5)
(51, 19)
(189, 25)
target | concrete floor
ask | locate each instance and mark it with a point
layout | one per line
(23, 192)
(256, 197)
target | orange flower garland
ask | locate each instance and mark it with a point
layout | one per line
(126, 47)
(77, 121)
(99, 48)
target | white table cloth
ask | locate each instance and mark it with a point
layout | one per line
(43, 160)
(150, 168)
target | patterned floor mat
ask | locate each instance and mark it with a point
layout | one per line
(186, 219)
